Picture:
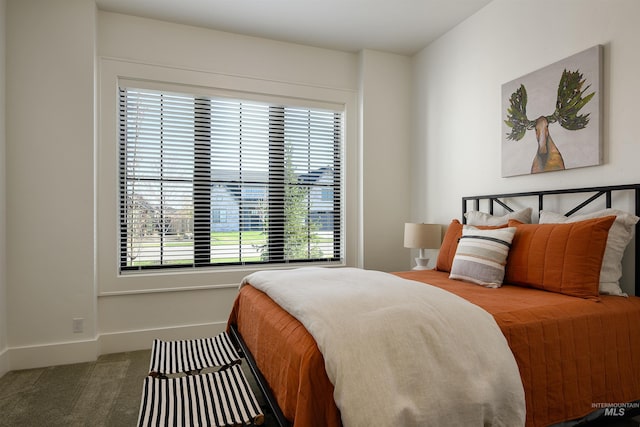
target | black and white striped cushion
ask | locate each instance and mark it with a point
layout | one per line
(217, 399)
(171, 357)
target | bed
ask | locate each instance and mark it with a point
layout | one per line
(577, 350)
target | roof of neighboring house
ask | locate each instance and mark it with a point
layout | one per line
(313, 176)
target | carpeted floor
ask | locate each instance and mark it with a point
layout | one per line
(103, 393)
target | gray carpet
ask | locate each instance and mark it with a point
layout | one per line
(102, 393)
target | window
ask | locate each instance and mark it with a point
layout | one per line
(208, 181)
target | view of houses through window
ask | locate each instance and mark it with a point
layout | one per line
(214, 181)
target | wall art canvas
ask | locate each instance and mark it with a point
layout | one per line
(552, 118)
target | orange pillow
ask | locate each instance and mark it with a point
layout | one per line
(450, 243)
(563, 258)
(449, 246)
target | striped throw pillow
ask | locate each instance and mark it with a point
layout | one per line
(482, 255)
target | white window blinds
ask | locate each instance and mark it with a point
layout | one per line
(214, 181)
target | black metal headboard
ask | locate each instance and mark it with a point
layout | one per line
(607, 191)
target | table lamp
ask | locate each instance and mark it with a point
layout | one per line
(422, 236)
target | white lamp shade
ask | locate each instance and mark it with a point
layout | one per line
(422, 236)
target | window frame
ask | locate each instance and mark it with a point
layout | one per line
(114, 72)
(281, 119)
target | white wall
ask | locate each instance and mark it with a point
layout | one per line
(301, 71)
(199, 303)
(50, 88)
(4, 358)
(458, 83)
(57, 267)
(51, 274)
(385, 89)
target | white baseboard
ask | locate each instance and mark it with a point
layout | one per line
(38, 356)
(4, 362)
(143, 339)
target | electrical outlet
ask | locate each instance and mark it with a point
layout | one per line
(78, 325)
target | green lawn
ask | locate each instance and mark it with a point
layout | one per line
(233, 238)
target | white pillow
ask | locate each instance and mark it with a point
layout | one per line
(620, 234)
(482, 218)
(482, 255)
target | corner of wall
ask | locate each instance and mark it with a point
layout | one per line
(385, 110)
(4, 362)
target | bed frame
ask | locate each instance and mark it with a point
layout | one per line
(269, 398)
(598, 192)
(493, 199)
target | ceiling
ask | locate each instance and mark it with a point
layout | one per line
(397, 26)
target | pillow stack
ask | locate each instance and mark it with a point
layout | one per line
(578, 256)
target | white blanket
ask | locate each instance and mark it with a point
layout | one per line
(399, 352)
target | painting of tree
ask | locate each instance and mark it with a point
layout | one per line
(563, 100)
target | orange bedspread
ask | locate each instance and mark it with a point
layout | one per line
(289, 359)
(571, 352)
